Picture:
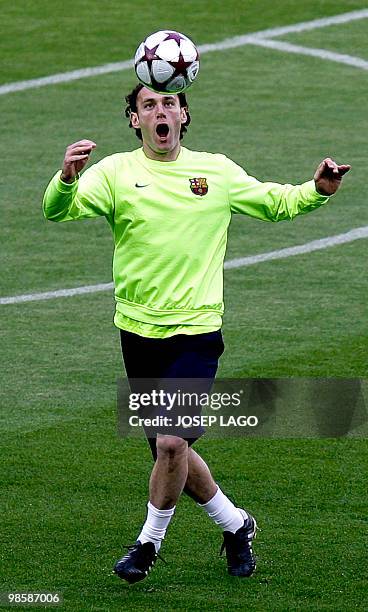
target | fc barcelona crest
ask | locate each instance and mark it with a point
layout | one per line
(199, 186)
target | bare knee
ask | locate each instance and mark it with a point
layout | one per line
(171, 446)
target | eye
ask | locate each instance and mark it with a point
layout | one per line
(170, 102)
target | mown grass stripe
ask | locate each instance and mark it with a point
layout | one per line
(228, 43)
(315, 245)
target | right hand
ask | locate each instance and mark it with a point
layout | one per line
(76, 157)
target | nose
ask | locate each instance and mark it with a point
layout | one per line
(160, 111)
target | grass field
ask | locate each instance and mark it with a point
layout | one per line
(73, 492)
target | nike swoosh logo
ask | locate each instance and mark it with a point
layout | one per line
(137, 185)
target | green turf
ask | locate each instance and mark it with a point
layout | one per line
(73, 491)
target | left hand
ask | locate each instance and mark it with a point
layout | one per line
(328, 176)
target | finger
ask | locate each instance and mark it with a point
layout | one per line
(74, 158)
(331, 165)
(335, 168)
(344, 168)
(80, 148)
(83, 142)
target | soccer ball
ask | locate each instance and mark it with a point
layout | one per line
(167, 62)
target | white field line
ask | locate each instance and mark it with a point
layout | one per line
(309, 247)
(65, 77)
(50, 295)
(304, 26)
(228, 43)
(314, 24)
(340, 58)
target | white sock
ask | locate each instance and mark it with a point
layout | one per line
(154, 528)
(224, 513)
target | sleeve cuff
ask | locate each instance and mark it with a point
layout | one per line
(63, 187)
(313, 194)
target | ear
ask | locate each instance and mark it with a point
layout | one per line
(183, 114)
(134, 120)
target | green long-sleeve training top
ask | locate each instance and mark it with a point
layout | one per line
(170, 223)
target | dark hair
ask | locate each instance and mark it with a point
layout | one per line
(131, 100)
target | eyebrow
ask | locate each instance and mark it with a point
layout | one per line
(153, 99)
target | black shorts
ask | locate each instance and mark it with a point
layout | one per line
(157, 361)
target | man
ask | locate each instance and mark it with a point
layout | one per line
(169, 209)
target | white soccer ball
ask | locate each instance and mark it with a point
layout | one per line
(167, 62)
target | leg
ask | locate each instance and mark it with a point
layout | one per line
(239, 527)
(167, 481)
(170, 471)
(199, 485)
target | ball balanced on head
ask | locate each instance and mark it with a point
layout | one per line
(167, 62)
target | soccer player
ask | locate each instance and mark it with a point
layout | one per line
(169, 209)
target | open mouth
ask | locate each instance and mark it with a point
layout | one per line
(162, 130)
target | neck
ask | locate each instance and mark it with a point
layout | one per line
(164, 156)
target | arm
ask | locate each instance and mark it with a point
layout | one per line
(69, 196)
(276, 202)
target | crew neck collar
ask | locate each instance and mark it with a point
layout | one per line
(158, 162)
